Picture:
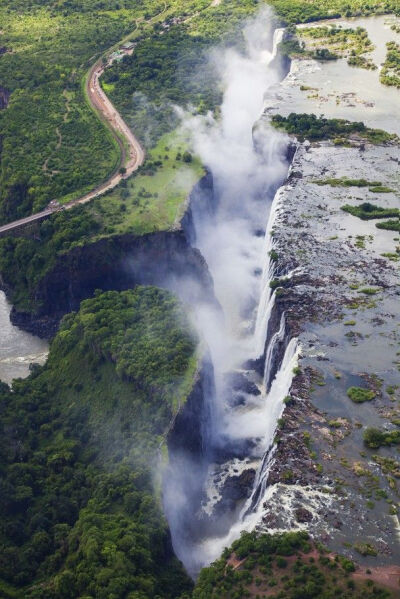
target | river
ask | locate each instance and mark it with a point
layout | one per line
(17, 348)
(337, 90)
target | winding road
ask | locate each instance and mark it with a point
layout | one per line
(131, 152)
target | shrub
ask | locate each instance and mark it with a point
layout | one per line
(360, 395)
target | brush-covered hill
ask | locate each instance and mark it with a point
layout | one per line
(80, 442)
(288, 566)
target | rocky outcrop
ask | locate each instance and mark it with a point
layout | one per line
(339, 297)
(120, 262)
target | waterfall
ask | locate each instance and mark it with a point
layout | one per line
(267, 296)
(276, 338)
(247, 164)
(279, 390)
(252, 512)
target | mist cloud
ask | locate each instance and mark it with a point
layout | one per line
(247, 160)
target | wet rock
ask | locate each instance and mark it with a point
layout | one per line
(303, 515)
(239, 382)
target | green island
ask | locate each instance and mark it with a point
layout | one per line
(375, 438)
(313, 128)
(360, 395)
(390, 73)
(389, 225)
(340, 42)
(368, 211)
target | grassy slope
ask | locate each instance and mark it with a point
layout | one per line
(153, 199)
(79, 440)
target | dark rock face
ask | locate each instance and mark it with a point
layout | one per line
(188, 433)
(4, 95)
(239, 487)
(187, 442)
(121, 262)
(202, 205)
(238, 382)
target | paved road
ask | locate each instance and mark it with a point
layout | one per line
(132, 154)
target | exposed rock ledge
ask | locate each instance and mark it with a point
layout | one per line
(348, 336)
(118, 262)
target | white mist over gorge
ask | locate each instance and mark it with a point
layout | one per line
(211, 495)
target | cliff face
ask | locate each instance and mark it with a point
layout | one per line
(340, 299)
(163, 258)
(4, 95)
(201, 205)
(193, 423)
(121, 262)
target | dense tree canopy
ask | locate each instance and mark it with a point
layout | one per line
(79, 440)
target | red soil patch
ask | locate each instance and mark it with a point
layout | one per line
(387, 576)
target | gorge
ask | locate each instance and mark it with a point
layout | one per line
(251, 354)
(221, 389)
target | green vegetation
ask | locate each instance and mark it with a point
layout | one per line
(352, 43)
(302, 11)
(389, 225)
(365, 549)
(152, 200)
(375, 438)
(79, 439)
(361, 62)
(360, 395)
(159, 75)
(368, 211)
(23, 262)
(369, 290)
(54, 146)
(346, 182)
(311, 127)
(390, 73)
(281, 567)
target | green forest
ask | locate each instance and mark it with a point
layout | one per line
(53, 145)
(80, 440)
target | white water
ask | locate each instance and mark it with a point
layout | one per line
(267, 298)
(17, 348)
(252, 512)
(248, 164)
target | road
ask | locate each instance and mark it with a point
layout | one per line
(108, 114)
(131, 157)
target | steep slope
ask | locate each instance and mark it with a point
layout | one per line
(81, 441)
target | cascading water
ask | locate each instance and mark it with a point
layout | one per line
(248, 164)
(267, 298)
